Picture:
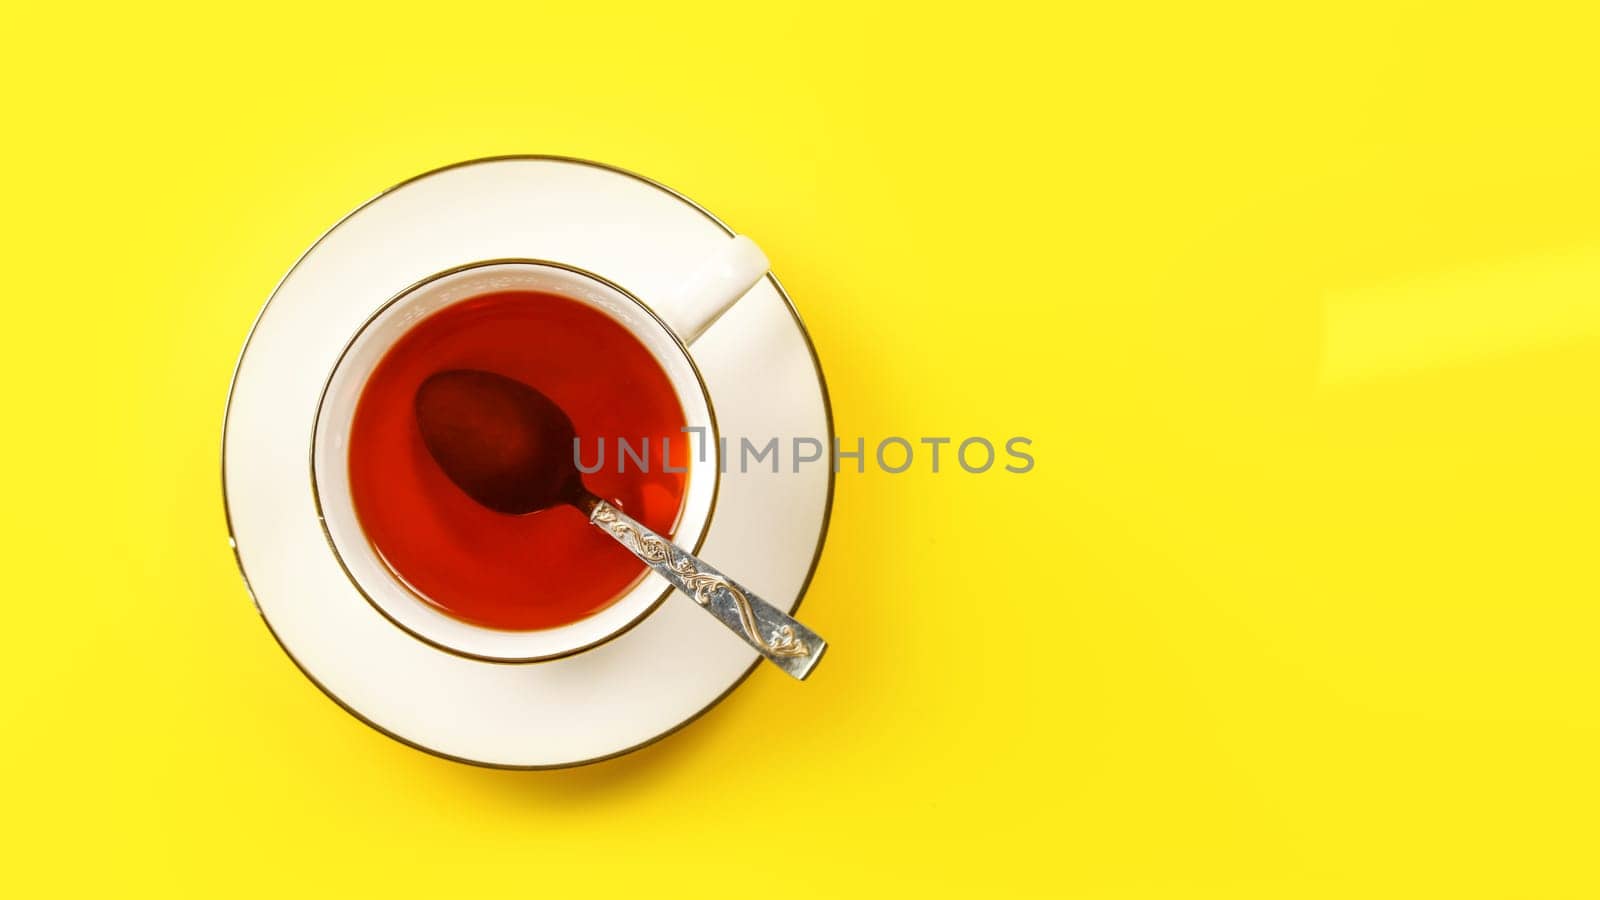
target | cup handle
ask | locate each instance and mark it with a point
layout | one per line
(714, 287)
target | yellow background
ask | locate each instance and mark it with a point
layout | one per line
(1300, 307)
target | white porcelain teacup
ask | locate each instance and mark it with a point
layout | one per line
(705, 297)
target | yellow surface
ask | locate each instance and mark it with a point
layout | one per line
(1300, 308)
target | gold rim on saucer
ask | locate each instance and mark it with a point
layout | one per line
(827, 410)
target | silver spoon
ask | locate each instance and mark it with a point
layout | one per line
(509, 447)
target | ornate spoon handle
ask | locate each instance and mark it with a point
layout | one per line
(789, 645)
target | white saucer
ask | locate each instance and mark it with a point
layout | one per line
(761, 372)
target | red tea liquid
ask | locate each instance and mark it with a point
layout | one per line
(516, 573)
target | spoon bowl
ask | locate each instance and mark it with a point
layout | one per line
(506, 445)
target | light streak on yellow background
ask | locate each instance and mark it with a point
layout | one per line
(1476, 313)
